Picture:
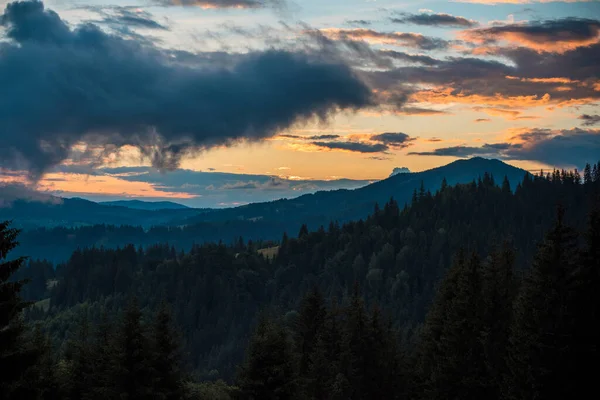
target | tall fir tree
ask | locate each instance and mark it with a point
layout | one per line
(104, 360)
(540, 344)
(17, 355)
(43, 379)
(499, 287)
(355, 351)
(79, 361)
(308, 326)
(585, 306)
(427, 355)
(268, 372)
(166, 358)
(133, 372)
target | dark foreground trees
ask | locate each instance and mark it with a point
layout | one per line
(17, 353)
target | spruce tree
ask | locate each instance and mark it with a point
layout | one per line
(585, 306)
(17, 356)
(355, 349)
(459, 374)
(450, 357)
(104, 360)
(268, 371)
(42, 378)
(308, 326)
(166, 358)
(79, 359)
(539, 357)
(430, 340)
(132, 371)
(587, 174)
(499, 289)
(325, 358)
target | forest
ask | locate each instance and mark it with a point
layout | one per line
(478, 290)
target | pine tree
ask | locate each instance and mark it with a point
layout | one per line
(587, 174)
(585, 306)
(325, 359)
(309, 324)
(166, 358)
(539, 359)
(16, 355)
(459, 375)
(133, 373)
(268, 371)
(78, 356)
(499, 289)
(104, 360)
(430, 340)
(450, 355)
(506, 185)
(355, 351)
(383, 380)
(42, 378)
(303, 231)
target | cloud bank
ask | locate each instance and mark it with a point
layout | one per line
(63, 85)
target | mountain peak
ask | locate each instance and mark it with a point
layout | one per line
(400, 170)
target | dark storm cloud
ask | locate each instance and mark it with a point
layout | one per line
(441, 20)
(225, 3)
(568, 147)
(394, 139)
(358, 147)
(61, 86)
(590, 120)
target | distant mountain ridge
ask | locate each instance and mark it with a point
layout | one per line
(145, 205)
(285, 214)
(346, 205)
(71, 212)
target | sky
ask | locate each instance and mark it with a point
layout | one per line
(216, 103)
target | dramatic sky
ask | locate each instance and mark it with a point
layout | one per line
(223, 102)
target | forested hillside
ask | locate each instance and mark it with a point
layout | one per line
(398, 257)
(119, 226)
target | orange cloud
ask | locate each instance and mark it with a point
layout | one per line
(545, 80)
(511, 114)
(448, 96)
(407, 39)
(103, 185)
(501, 112)
(557, 36)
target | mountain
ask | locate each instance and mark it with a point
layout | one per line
(145, 205)
(346, 205)
(260, 220)
(62, 212)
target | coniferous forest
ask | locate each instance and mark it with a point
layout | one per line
(477, 291)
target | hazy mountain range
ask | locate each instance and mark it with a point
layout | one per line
(47, 211)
